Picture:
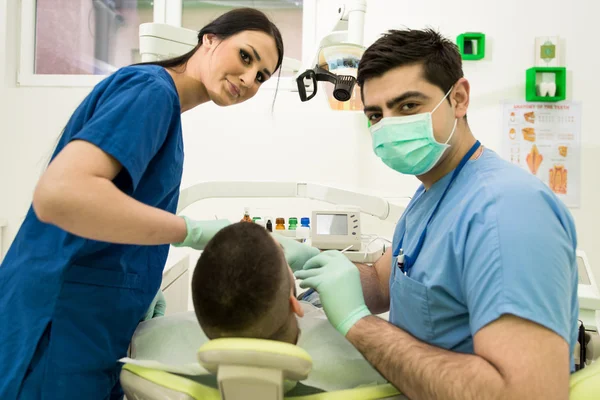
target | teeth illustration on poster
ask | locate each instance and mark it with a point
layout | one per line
(545, 139)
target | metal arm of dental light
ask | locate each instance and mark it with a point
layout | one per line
(372, 205)
(348, 25)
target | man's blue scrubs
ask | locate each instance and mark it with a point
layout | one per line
(500, 243)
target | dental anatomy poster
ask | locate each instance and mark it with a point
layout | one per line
(545, 139)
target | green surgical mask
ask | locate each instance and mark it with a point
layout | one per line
(407, 145)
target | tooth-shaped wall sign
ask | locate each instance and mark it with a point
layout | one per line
(546, 89)
(546, 84)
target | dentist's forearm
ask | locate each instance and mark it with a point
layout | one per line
(421, 371)
(94, 208)
(375, 283)
(375, 298)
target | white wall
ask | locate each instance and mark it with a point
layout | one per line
(303, 141)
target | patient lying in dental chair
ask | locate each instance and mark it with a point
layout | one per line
(243, 287)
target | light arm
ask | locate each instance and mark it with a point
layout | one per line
(372, 205)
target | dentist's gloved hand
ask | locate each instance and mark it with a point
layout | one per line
(337, 280)
(296, 253)
(200, 232)
(157, 307)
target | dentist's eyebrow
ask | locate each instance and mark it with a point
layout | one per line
(399, 99)
(266, 71)
(406, 96)
(371, 108)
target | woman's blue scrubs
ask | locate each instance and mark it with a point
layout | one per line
(69, 305)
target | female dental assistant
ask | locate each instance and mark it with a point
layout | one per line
(88, 259)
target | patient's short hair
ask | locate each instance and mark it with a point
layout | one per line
(240, 284)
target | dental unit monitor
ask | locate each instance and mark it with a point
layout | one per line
(336, 230)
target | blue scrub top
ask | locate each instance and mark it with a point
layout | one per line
(500, 243)
(133, 115)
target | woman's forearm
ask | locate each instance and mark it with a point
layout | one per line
(94, 208)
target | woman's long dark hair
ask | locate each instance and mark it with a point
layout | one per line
(229, 24)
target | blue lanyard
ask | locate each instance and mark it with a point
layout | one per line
(409, 261)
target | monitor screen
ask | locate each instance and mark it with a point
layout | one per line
(332, 224)
(584, 279)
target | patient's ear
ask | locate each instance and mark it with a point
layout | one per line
(296, 307)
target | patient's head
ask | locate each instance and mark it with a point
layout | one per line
(243, 287)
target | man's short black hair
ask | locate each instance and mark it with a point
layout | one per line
(239, 279)
(441, 60)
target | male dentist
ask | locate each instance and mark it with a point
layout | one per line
(481, 280)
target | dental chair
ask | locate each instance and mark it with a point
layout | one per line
(243, 369)
(585, 383)
(256, 369)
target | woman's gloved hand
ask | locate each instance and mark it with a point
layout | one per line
(157, 307)
(200, 232)
(296, 253)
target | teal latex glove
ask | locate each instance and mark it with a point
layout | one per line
(200, 232)
(157, 307)
(296, 253)
(337, 280)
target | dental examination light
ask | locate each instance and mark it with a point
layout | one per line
(336, 60)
